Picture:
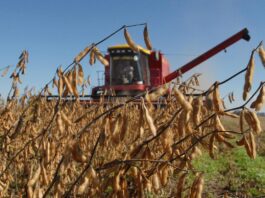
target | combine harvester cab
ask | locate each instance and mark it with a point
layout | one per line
(130, 73)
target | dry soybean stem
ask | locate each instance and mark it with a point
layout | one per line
(55, 177)
(199, 140)
(67, 194)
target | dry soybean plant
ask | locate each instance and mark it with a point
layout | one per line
(131, 148)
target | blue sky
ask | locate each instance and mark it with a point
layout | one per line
(55, 31)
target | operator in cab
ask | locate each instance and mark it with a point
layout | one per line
(127, 75)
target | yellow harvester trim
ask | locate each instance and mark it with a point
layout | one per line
(125, 46)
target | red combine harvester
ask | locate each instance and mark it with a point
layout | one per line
(130, 73)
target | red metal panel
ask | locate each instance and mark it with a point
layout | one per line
(153, 61)
(155, 72)
(155, 66)
(156, 81)
(165, 66)
(155, 76)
